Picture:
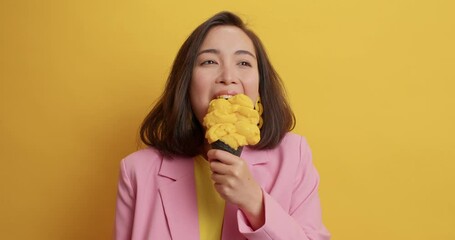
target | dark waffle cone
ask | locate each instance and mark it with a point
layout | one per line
(223, 146)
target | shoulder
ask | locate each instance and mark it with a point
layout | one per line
(293, 151)
(293, 142)
(283, 166)
(142, 162)
(144, 157)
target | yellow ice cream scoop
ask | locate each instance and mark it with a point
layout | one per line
(232, 122)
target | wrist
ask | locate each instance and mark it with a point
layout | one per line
(254, 210)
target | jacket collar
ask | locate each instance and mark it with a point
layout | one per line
(176, 167)
(180, 201)
(255, 157)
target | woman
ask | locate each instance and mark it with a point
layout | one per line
(180, 188)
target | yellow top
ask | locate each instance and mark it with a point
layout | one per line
(209, 203)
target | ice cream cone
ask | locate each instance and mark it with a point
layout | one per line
(232, 123)
(223, 146)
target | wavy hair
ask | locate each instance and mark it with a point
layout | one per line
(171, 126)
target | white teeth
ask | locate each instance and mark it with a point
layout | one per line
(224, 96)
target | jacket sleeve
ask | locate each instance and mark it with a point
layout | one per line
(124, 213)
(303, 220)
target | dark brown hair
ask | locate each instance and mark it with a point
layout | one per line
(172, 127)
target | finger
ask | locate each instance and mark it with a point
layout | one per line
(222, 190)
(222, 156)
(218, 178)
(219, 167)
(223, 180)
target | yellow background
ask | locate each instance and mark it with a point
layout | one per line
(371, 83)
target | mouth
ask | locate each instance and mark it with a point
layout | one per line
(224, 96)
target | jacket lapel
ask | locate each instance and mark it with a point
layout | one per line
(179, 198)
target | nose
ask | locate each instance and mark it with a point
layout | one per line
(228, 75)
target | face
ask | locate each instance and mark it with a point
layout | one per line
(226, 65)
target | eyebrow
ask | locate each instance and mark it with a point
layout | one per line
(215, 51)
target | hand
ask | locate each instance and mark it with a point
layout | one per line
(235, 184)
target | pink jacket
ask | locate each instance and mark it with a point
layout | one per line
(157, 199)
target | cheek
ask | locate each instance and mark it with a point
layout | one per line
(197, 106)
(199, 82)
(251, 87)
(198, 96)
(198, 111)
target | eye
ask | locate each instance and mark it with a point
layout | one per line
(208, 62)
(245, 63)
